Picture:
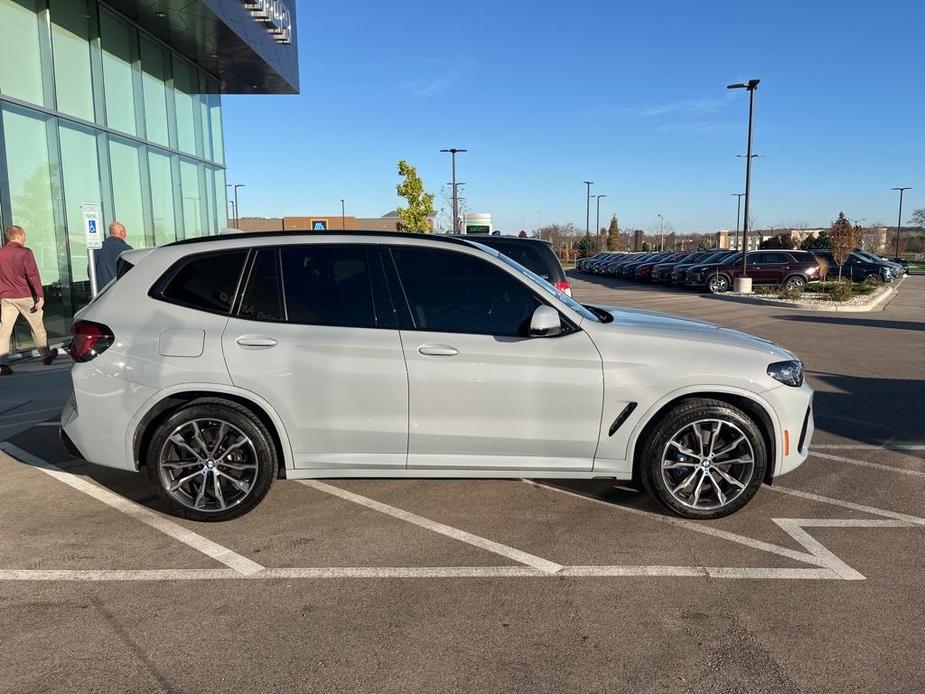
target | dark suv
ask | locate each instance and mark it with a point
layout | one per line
(680, 271)
(858, 267)
(534, 254)
(779, 267)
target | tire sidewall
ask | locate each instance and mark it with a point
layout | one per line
(267, 462)
(680, 416)
(717, 284)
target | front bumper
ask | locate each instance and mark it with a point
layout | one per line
(795, 426)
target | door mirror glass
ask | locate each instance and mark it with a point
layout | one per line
(545, 322)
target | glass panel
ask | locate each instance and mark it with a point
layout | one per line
(459, 293)
(218, 145)
(32, 176)
(328, 285)
(184, 82)
(154, 75)
(118, 55)
(70, 32)
(126, 191)
(20, 57)
(261, 300)
(192, 200)
(81, 184)
(165, 226)
(221, 193)
(205, 124)
(207, 282)
(211, 213)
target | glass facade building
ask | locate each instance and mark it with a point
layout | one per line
(96, 107)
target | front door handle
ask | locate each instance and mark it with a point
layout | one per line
(257, 342)
(438, 350)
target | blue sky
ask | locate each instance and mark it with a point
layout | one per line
(630, 95)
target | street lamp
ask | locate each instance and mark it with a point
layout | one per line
(234, 212)
(899, 221)
(744, 283)
(588, 209)
(453, 151)
(661, 234)
(343, 215)
(237, 209)
(738, 215)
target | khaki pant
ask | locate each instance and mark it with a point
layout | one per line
(10, 309)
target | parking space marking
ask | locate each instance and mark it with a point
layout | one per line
(29, 413)
(229, 558)
(869, 447)
(517, 555)
(864, 463)
(914, 520)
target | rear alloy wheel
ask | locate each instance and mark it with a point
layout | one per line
(705, 459)
(717, 284)
(795, 282)
(873, 278)
(213, 460)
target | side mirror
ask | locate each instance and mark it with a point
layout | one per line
(545, 322)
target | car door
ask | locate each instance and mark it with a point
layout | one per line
(314, 335)
(772, 267)
(482, 393)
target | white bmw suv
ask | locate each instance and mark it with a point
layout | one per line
(218, 364)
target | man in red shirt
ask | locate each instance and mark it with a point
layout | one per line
(20, 295)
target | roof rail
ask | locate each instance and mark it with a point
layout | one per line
(443, 238)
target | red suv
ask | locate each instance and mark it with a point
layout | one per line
(791, 269)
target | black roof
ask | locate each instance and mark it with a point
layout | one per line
(444, 238)
(488, 239)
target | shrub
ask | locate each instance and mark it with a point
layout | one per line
(764, 289)
(790, 293)
(842, 291)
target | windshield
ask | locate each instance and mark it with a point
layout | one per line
(549, 289)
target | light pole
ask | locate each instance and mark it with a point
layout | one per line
(343, 215)
(453, 151)
(744, 283)
(738, 215)
(237, 209)
(597, 228)
(588, 209)
(899, 220)
(661, 234)
(234, 212)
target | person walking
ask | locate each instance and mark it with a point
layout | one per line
(20, 295)
(107, 258)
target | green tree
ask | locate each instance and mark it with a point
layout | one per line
(416, 216)
(813, 242)
(843, 239)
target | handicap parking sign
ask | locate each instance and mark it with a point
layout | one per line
(91, 213)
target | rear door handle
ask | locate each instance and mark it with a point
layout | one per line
(257, 342)
(438, 350)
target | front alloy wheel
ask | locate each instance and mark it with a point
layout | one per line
(795, 282)
(717, 284)
(705, 459)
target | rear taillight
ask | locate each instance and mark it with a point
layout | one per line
(564, 287)
(89, 340)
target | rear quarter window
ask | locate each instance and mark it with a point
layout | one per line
(206, 281)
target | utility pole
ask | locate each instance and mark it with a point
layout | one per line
(744, 283)
(597, 229)
(343, 215)
(453, 151)
(899, 221)
(588, 209)
(237, 208)
(661, 234)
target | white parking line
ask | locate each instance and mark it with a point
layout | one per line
(483, 543)
(864, 463)
(229, 558)
(29, 413)
(915, 520)
(869, 447)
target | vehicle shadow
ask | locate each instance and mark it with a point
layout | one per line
(875, 411)
(863, 322)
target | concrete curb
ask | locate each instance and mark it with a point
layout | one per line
(873, 305)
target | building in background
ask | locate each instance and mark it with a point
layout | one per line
(118, 103)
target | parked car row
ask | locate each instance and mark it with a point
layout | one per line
(717, 270)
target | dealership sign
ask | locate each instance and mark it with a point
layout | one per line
(274, 15)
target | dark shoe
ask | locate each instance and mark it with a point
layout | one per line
(52, 355)
(5, 370)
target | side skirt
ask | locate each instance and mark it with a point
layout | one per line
(484, 473)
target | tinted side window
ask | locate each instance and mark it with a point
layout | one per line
(773, 258)
(208, 281)
(450, 291)
(261, 298)
(328, 285)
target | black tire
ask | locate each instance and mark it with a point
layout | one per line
(685, 414)
(718, 283)
(261, 449)
(873, 278)
(795, 282)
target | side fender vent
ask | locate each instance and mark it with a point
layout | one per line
(627, 411)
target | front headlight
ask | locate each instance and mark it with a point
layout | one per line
(788, 372)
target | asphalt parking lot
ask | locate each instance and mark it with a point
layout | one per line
(502, 585)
